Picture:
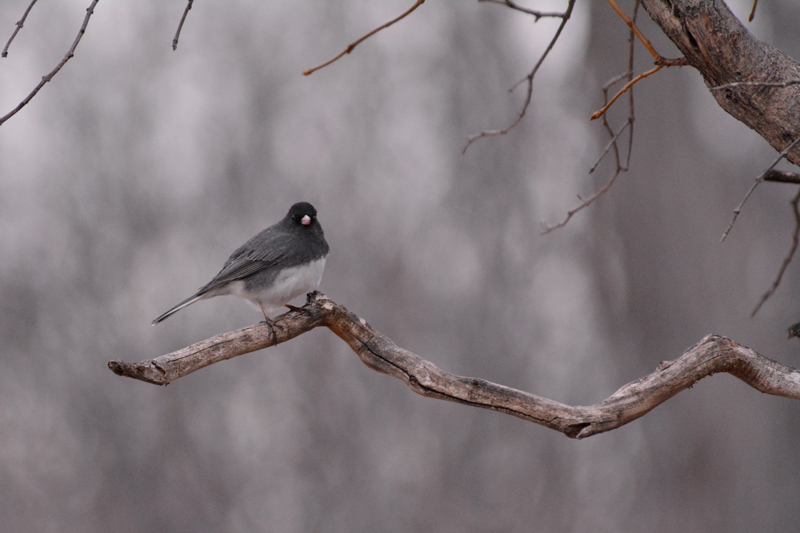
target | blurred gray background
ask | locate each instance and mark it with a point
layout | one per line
(129, 179)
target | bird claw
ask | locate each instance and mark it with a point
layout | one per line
(293, 308)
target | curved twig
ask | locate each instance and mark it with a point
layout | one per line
(546, 228)
(789, 256)
(352, 45)
(711, 355)
(601, 112)
(49, 76)
(612, 145)
(19, 25)
(180, 25)
(756, 183)
(529, 78)
(533, 12)
(661, 61)
(753, 11)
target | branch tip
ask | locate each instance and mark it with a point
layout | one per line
(352, 45)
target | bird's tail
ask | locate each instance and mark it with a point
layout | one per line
(186, 303)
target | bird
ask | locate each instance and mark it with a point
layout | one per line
(274, 267)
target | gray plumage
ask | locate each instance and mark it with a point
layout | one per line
(271, 269)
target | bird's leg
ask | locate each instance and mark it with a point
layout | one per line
(268, 319)
(269, 322)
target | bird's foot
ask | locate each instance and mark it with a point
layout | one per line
(269, 322)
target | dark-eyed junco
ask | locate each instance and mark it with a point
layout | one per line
(274, 267)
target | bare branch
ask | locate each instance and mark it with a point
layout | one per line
(635, 30)
(351, 46)
(536, 14)
(661, 61)
(723, 51)
(711, 355)
(529, 78)
(753, 11)
(16, 30)
(611, 144)
(627, 75)
(584, 204)
(756, 184)
(631, 106)
(49, 76)
(602, 111)
(180, 25)
(778, 84)
(782, 176)
(787, 259)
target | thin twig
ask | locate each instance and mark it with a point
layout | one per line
(756, 184)
(16, 30)
(529, 78)
(351, 46)
(779, 84)
(586, 203)
(631, 111)
(49, 76)
(636, 31)
(180, 25)
(664, 62)
(611, 143)
(753, 12)
(616, 79)
(536, 14)
(601, 112)
(787, 259)
(661, 61)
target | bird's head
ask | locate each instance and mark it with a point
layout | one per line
(302, 213)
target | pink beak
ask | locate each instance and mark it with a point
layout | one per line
(306, 220)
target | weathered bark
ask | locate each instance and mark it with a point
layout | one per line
(716, 43)
(711, 355)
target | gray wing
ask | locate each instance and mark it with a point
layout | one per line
(267, 249)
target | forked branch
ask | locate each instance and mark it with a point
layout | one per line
(756, 183)
(661, 61)
(613, 145)
(529, 78)
(711, 355)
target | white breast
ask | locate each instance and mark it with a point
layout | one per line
(293, 282)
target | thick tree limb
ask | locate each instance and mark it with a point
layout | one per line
(716, 43)
(711, 355)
